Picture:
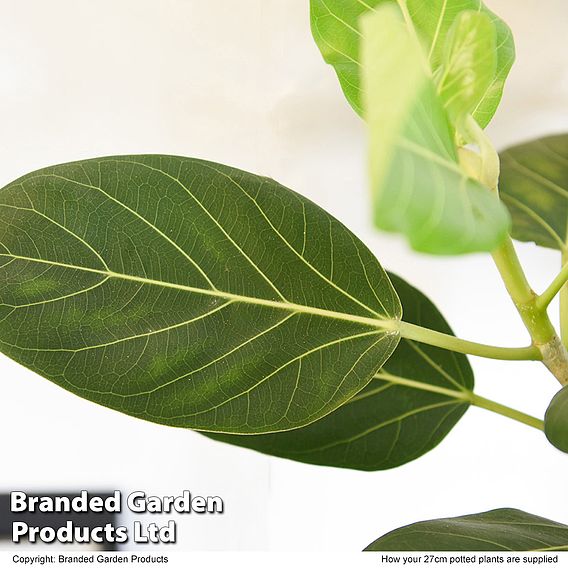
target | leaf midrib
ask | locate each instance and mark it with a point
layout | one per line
(437, 32)
(395, 420)
(463, 394)
(209, 215)
(387, 324)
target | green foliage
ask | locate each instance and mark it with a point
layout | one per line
(417, 73)
(336, 30)
(417, 397)
(499, 530)
(556, 421)
(534, 186)
(418, 186)
(468, 65)
(189, 293)
(196, 295)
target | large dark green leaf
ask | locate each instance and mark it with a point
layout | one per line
(416, 399)
(418, 186)
(556, 421)
(336, 30)
(534, 186)
(499, 530)
(189, 293)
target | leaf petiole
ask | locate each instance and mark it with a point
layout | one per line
(507, 411)
(445, 341)
(555, 287)
(466, 396)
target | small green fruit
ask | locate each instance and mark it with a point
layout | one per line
(556, 421)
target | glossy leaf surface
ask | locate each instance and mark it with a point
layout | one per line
(534, 186)
(418, 186)
(416, 399)
(336, 30)
(498, 530)
(556, 421)
(189, 293)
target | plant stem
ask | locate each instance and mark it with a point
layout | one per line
(543, 301)
(466, 396)
(437, 339)
(564, 305)
(531, 309)
(535, 318)
(517, 415)
(512, 273)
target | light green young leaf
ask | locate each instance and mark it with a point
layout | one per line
(499, 530)
(336, 30)
(433, 20)
(469, 64)
(418, 186)
(189, 293)
(415, 400)
(534, 186)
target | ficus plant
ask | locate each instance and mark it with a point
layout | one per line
(196, 295)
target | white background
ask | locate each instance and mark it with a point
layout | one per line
(241, 82)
